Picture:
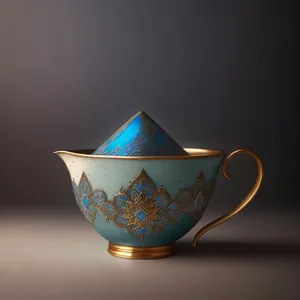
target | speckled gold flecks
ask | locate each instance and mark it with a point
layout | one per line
(143, 209)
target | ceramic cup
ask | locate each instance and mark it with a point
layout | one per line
(143, 205)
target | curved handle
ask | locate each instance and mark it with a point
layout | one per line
(246, 200)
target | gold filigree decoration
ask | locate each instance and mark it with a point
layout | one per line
(143, 209)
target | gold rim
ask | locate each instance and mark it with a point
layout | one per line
(193, 153)
(140, 252)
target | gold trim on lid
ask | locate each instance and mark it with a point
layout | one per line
(140, 252)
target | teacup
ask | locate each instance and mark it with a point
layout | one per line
(143, 204)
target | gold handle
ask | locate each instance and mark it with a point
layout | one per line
(246, 200)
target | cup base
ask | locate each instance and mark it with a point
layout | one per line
(131, 252)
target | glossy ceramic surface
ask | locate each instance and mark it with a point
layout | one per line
(140, 136)
(143, 202)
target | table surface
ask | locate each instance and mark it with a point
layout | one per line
(48, 255)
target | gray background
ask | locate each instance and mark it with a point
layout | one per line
(214, 74)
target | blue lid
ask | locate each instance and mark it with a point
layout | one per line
(140, 136)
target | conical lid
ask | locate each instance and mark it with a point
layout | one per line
(140, 136)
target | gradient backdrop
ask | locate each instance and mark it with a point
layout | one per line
(214, 74)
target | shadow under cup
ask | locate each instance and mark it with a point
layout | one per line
(143, 205)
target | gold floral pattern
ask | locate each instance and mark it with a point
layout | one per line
(143, 209)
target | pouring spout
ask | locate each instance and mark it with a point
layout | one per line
(64, 155)
(60, 153)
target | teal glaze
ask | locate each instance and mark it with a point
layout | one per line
(168, 236)
(110, 174)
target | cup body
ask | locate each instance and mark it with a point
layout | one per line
(143, 202)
